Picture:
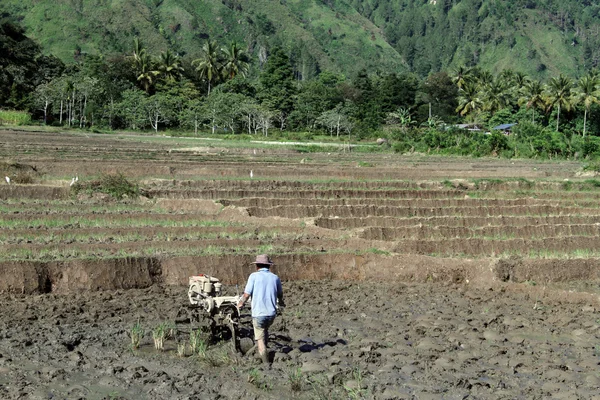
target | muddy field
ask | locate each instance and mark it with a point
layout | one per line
(406, 277)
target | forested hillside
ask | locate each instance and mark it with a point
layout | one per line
(307, 68)
(540, 38)
(315, 36)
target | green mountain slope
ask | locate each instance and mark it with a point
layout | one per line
(540, 38)
(316, 36)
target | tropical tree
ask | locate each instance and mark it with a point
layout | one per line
(169, 66)
(588, 94)
(159, 109)
(192, 114)
(336, 120)
(469, 99)
(209, 64)
(462, 76)
(145, 71)
(495, 95)
(558, 93)
(44, 95)
(533, 97)
(235, 61)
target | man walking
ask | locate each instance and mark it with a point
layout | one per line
(265, 289)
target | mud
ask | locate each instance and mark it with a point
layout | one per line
(371, 314)
(340, 339)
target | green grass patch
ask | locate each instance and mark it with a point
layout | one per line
(13, 117)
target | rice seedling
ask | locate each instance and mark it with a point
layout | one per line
(137, 334)
(296, 379)
(256, 378)
(159, 334)
(198, 345)
(181, 349)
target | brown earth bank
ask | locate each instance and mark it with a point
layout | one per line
(335, 340)
(31, 277)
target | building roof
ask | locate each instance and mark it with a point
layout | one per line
(504, 127)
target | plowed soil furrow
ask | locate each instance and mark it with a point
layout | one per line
(485, 232)
(305, 194)
(548, 247)
(274, 202)
(366, 211)
(34, 192)
(454, 221)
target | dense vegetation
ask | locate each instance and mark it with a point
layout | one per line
(230, 87)
(541, 38)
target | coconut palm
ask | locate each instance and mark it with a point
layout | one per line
(462, 76)
(558, 93)
(485, 77)
(169, 66)
(209, 64)
(587, 94)
(469, 99)
(146, 73)
(495, 95)
(533, 96)
(236, 61)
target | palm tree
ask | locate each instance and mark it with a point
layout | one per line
(495, 95)
(559, 95)
(209, 65)
(469, 99)
(485, 77)
(533, 96)
(236, 61)
(145, 71)
(169, 66)
(462, 76)
(520, 79)
(138, 49)
(588, 94)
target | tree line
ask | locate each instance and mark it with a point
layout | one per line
(224, 91)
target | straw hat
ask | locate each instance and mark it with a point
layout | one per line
(263, 259)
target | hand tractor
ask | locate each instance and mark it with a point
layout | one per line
(212, 313)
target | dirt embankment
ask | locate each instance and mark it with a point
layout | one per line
(72, 276)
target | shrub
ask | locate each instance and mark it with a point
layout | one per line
(13, 117)
(115, 185)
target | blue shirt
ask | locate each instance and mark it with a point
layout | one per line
(264, 287)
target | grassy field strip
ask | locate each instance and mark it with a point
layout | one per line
(485, 232)
(454, 221)
(376, 211)
(161, 249)
(44, 237)
(109, 221)
(493, 248)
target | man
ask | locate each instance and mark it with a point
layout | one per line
(265, 289)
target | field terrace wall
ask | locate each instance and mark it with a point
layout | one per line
(64, 277)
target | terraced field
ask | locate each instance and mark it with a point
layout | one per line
(458, 226)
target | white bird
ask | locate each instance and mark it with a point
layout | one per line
(251, 174)
(72, 182)
(7, 179)
(76, 178)
(254, 151)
